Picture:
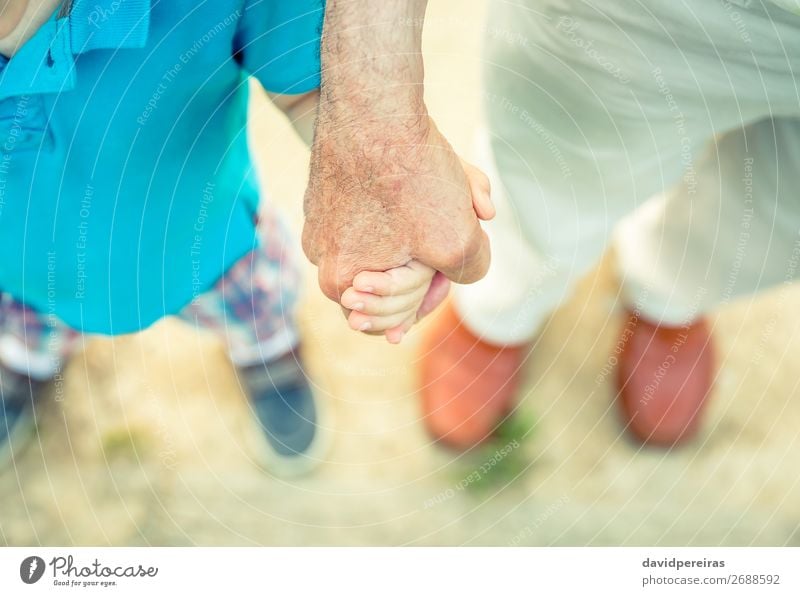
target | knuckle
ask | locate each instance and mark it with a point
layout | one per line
(334, 279)
(329, 286)
(308, 244)
(472, 243)
(453, 259)
(463, 254)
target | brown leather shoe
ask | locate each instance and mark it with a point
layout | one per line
(468, 385)
(664, 377)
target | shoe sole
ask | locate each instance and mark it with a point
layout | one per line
(282, 466)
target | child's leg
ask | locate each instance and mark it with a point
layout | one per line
(33, 344)
(252, 308)
(33, 349)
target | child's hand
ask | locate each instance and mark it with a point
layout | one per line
(389, 301)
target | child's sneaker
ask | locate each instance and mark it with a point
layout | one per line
(288, 414)
(18, 393)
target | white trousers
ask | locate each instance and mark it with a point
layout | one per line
(671, 127)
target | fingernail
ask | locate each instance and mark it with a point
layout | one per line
(369, 289)
(365, 326)
(357, 306)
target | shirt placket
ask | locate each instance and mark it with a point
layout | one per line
(43, 65)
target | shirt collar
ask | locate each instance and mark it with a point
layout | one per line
(46, 62)
(109, 24)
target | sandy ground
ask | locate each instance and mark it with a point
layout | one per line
(145, 443)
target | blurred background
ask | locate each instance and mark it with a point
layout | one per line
(147, 446)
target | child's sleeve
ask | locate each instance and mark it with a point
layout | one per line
(278, 42)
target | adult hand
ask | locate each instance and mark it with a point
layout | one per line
(376, 203)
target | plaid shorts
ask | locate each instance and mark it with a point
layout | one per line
(251, 308)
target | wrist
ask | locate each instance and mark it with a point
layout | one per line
(385, 143)
(351, 123)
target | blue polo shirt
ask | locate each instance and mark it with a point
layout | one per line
(126, 184)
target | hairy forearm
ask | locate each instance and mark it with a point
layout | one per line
(372, 64)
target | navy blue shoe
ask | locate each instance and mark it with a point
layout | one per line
(287, 412)
(18, 393)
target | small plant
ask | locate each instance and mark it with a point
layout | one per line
(504, 458)
(123, 443)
